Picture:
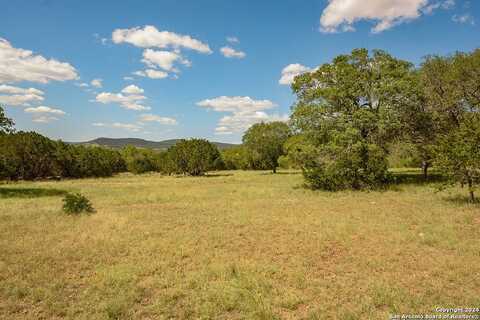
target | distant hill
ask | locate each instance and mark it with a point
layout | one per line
(141, 143)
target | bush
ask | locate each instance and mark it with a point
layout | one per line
(27, 156)
(458, 154)
(194, 157)
(347, 164)
(264, 143)
(284, 163)
(140, 161)
(76, 203)
(31, 156)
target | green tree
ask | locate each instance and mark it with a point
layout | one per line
(6, 124)
(299, 150)
(194, 156)
(140, 161)
(27, 156)
(418, 127)
(348, 111)
(458, 154)
(452, 92)
(264, 142)
(236, 158)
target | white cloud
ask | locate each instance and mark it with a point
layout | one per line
(241, 121)
(43, 109)
(236, 104)
(130, 98)
(151, 37)
(118, 125)
(229, 52)
(245, 112)
(291, 71)
(340, 15)
(159, 119)
(163, 59)
(464, 19)
(152, 74)
(233, 40)
(19, 99)
(138, 126)
(17, 96)
(16, 90)
(97, 83)
(44, 119)
(22, 65)
(446, 4)
(132, 89)
(82, 85)
(128, 78)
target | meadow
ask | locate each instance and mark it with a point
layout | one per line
(235, 245)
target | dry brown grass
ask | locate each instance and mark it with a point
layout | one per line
(245, 246)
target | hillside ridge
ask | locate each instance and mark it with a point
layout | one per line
(142, 143)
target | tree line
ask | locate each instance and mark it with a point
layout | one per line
(31, 156)
(352, 112)
(349, 117)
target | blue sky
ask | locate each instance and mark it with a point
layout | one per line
(206, 68)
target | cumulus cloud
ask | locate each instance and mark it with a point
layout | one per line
(18, 65)
(15, 96)
(130, 98)
(43, 109)
(340, 15)
(151, 37)
(163, 59)
(291, 71)
(240, 122)
(152, 74)
(97, 83)
(245, 112)
(138, 126)
(159, 119)
(45, 119)
(236, 104)
(16, 90)
(132, 89)
(466, 18)
(229, 52)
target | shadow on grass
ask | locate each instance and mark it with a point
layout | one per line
(415, 177)
(217, 175)
(270, 173)
(208, 175)
(463, 200)
(9, 192)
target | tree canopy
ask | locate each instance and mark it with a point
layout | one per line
(349, 110)
(264, 142)
(194, 156)
(6, 124)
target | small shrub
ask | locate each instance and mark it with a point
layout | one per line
(76, 203)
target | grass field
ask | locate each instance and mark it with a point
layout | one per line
(236, 245)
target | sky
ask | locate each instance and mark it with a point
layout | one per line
(164, 69)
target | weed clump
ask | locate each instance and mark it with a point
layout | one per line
(75, 203)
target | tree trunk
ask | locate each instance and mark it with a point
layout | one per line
(274, 169)
(470, 188)
(425, 166)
